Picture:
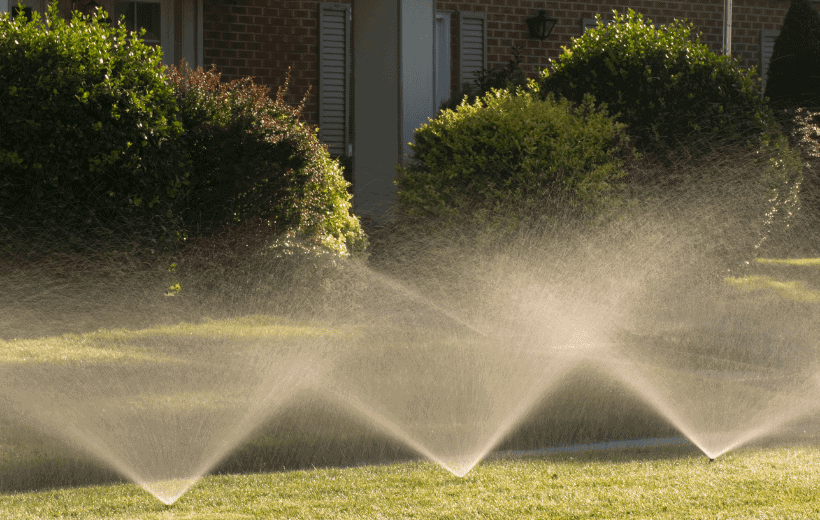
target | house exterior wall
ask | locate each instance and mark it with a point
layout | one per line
(262, 38)
(506, 24)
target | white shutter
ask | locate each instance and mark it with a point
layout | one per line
(472, 45)
(334, 76)
(767, 39)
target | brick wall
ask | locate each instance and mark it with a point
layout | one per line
(262, 38)
(506, 25)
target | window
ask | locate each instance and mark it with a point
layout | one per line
(18, 11)
(591, 23)
(442, 65)
(174, 25)
(334, 77)
(141, 15)
(472, 45)
(15, 8)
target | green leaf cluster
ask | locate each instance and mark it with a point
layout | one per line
(663, 83)
(513, 154)
(87, 117)
(253, 161)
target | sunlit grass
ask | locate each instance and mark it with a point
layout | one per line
(815, 262)
(122, 344)
(254, 327)
(760, 483)
(792, 289)
(67, 348)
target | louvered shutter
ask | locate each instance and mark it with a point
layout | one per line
(334, 76)
(767, 39)
(472, 45)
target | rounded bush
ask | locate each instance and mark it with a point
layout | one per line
(86, 114)
(252, 161)
(665, 85)
(513, 154)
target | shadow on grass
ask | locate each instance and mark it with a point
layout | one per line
(316, 434)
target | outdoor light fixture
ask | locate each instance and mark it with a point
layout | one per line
(541, 25)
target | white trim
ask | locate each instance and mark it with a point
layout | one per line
(442, 58)
(191, 42)
(727, 27)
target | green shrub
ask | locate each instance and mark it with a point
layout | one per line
(794, 71)
(665, 85)
(519, 154)
(86, 119)
(253, 162)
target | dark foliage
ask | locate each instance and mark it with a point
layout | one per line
(510, 77)
(87, 118)
(251, 160)
(666, 86)
(794, 71)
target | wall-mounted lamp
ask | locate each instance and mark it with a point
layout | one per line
(541, 26)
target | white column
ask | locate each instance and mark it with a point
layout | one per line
(394, 91)
(727, 27)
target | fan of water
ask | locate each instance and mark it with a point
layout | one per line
(449, 345)
(169, 406)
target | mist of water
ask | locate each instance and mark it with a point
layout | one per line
(451, 343)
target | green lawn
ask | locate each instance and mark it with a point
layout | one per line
(770, 482)
(777, 277)
(664, 483)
